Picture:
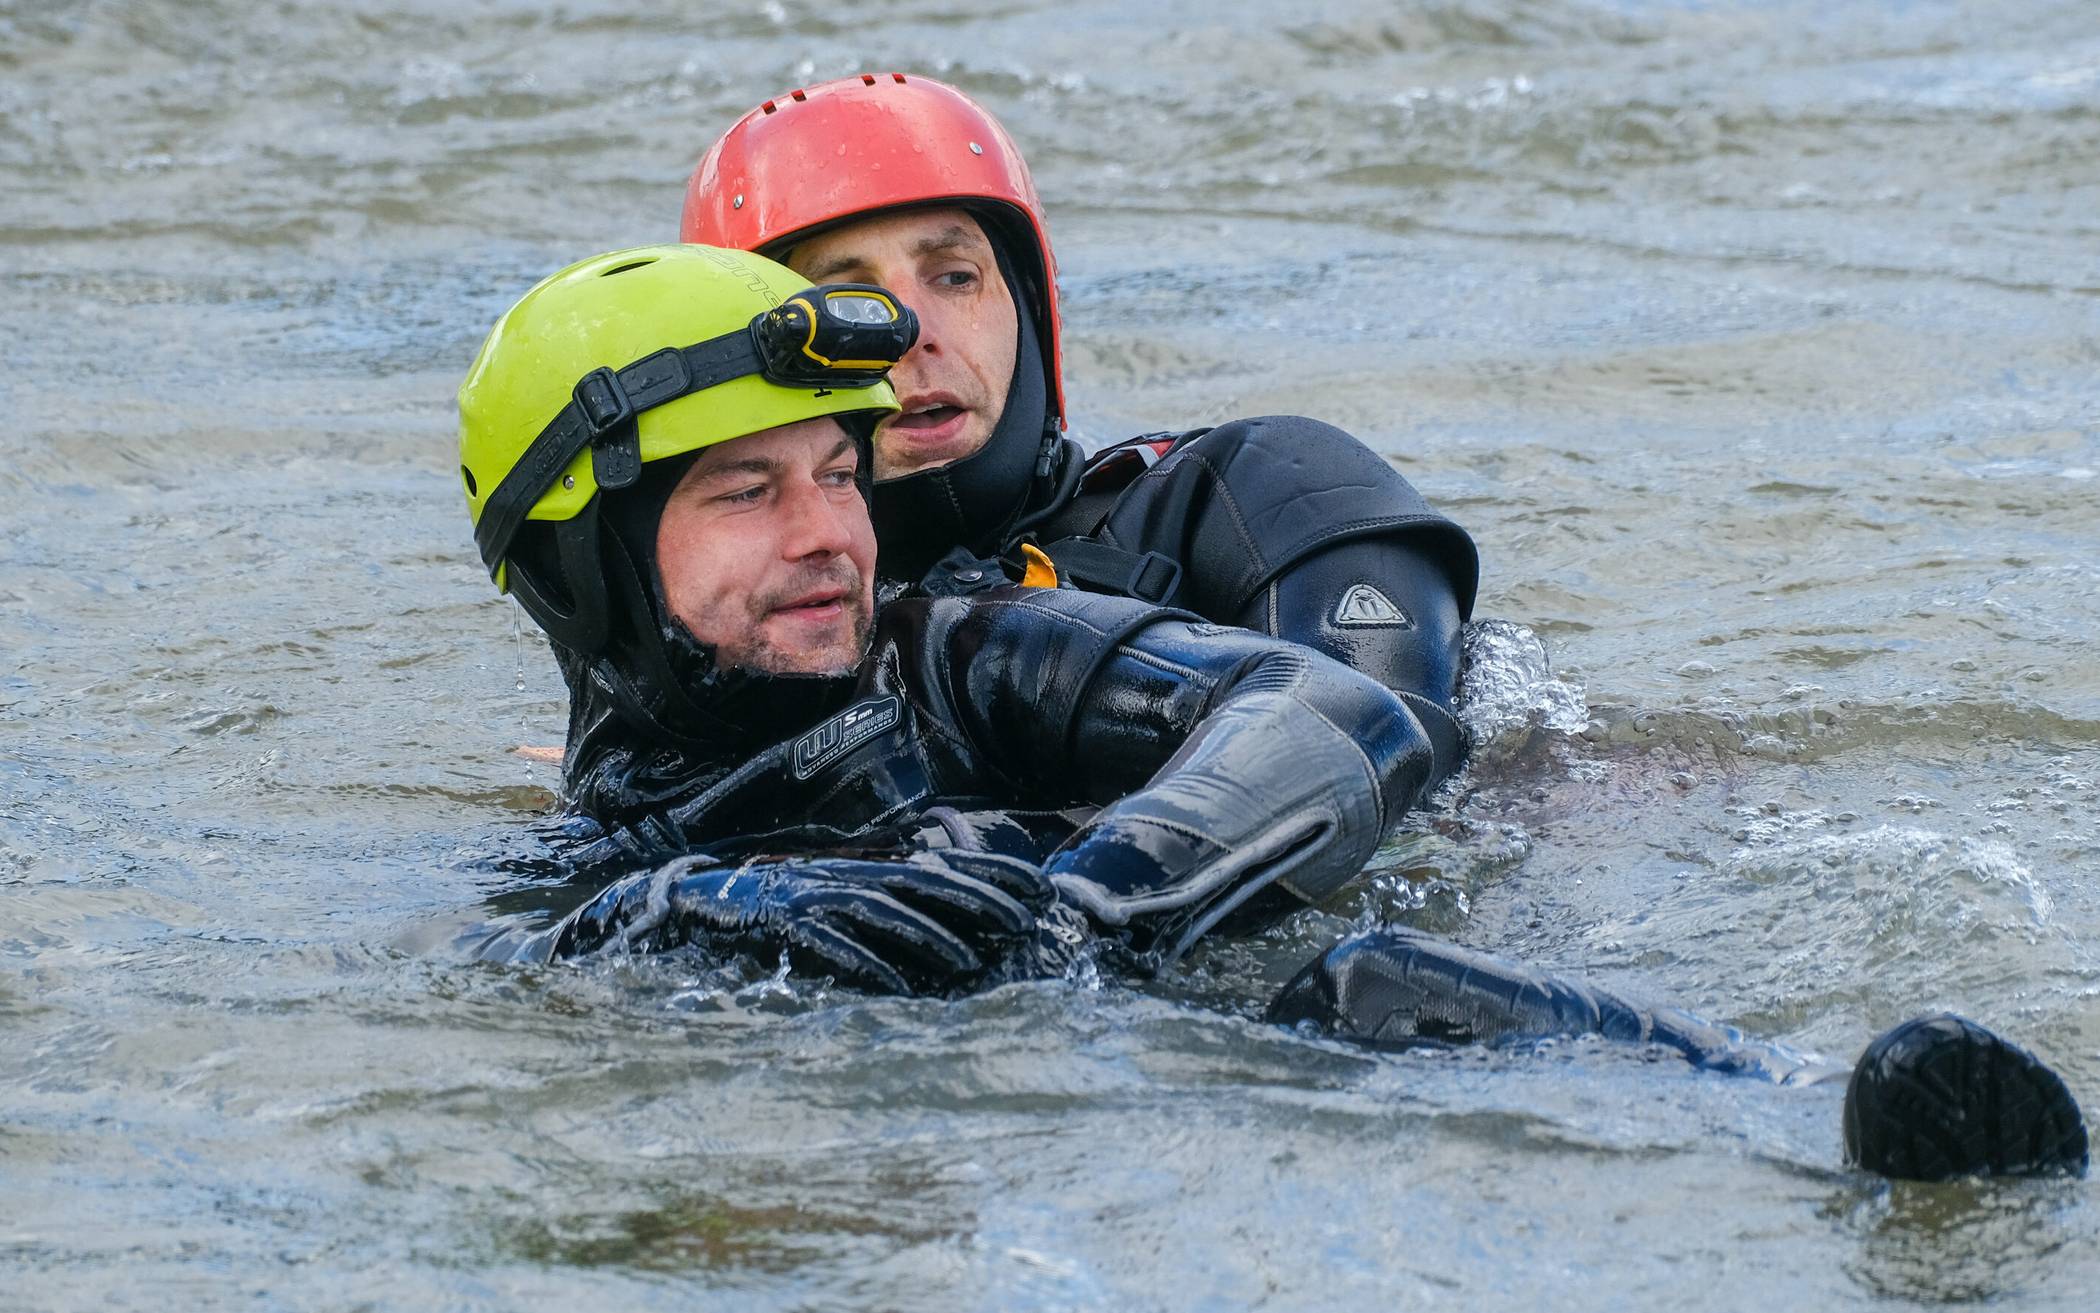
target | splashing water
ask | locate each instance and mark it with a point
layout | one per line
(1508, 692)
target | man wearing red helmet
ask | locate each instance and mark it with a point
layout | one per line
(1279, 524)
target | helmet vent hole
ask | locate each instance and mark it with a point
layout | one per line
(867, 79)
(898, 78)
(625, 267)
(797, 95)
(473, 488)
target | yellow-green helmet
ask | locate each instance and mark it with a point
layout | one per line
(638, 356)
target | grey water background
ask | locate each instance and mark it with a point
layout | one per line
(1755, 342)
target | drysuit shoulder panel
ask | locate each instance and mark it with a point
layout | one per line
(1242, 502)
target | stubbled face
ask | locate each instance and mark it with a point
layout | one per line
(953, 382)
(767, 553)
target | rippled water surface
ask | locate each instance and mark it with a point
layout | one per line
(1755, 342)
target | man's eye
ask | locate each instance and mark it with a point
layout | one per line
(743, 496)
(840, 478)
(957, 278)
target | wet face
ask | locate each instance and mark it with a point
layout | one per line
(767, 554)
(953, 382)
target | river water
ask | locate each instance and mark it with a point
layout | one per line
(1755, 342)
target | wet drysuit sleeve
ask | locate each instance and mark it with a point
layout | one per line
(1401, 987)
(1230, 767)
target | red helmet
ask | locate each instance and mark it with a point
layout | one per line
(827, 153)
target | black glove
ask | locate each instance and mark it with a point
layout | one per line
(929, 922)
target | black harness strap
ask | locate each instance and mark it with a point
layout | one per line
(1100, 568)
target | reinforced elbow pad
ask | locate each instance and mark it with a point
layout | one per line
(1289, 782)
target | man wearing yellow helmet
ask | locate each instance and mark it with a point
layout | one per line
(586, 448)
(665, 453)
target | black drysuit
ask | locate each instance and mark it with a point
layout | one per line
(1212, 769)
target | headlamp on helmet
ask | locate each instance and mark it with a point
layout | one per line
(839, 331)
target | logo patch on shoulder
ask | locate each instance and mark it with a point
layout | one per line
(843, 733)
(1363, 606)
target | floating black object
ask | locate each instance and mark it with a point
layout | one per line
(1939, 1097)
